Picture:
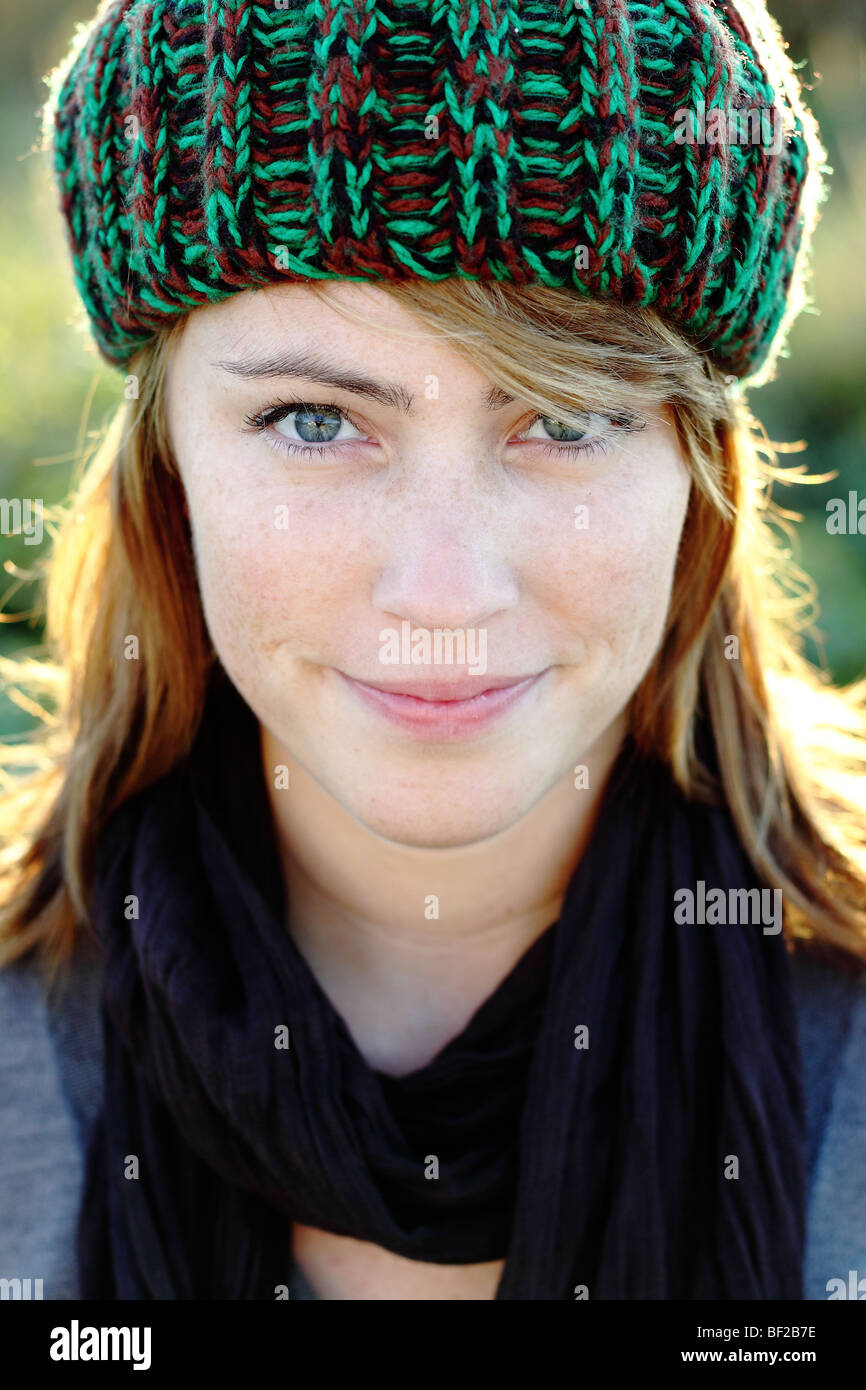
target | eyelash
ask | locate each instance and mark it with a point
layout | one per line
(259, 421)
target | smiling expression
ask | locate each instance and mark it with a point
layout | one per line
(345, 483)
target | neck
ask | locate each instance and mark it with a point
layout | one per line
(360, 905)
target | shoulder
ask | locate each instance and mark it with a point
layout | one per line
(831, 1013)
(50, 1084)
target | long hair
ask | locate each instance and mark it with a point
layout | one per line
(790, 747)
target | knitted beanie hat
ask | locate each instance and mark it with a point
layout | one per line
(655, 152)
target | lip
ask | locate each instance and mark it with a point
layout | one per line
(441, 716)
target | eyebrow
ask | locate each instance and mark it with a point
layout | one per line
(315, 368)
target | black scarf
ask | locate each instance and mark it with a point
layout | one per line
(602, 1170)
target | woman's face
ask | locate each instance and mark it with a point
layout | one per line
(417, 499)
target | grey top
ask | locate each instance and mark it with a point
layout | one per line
(50, 1084)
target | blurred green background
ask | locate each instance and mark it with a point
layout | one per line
(55, 393)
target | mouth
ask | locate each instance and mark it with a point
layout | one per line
(442, 709)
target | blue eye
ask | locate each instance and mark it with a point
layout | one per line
(557, 430)
(316, 427)
(592, 434)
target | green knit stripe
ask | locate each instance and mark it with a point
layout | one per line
(104, 265)
(227, 164)
(347, 118)
(548, 138)
(476, 71)
(288, 214)
(150, 150)
(413, 151)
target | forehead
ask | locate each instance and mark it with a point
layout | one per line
(289, 331)
(273, 314)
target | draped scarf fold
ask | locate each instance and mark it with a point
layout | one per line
(622, 1117)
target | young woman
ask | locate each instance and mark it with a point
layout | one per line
(454, 869)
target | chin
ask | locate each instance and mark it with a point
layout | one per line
(435, 827)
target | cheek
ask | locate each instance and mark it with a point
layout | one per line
(614, 576)
(272, 568)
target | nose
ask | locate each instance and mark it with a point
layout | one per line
(447, 563)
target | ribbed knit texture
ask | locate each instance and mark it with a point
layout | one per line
(205, 146)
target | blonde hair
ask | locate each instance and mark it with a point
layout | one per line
(791, 747)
